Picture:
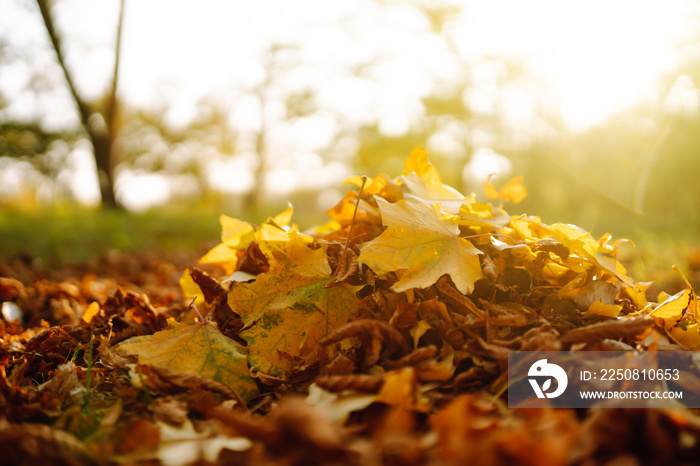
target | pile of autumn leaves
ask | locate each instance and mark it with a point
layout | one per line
(379, 337)
(407, 264)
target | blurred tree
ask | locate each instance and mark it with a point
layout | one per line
(277, 61)
(46, 151)
(149, 144)
(262, 93)
(28, 143)
(99, 118)
(277, 106)
(378, 152)
(19, 139)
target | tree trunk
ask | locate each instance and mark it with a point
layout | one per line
(99, 124)
(102, 145)
(252, 198)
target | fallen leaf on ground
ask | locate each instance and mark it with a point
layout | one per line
(288, 309)
(198, 349)
(424, 244)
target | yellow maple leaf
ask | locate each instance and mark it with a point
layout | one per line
(602, 309)
(687, 335)
(528, 228)
(296, 272)
(584, 247)
(344, 211)
(425, 244)
(514, 190)
(236, 235)
(483, 215)
(431, 193)
(613, 266)
(190, 289)
(284, 218)
(418, 162)
(638, 297)
(671, 311)
(288, 309)
(198, 349)
(382, 186)
(271, 237)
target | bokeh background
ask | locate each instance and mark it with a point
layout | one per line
(131, 124)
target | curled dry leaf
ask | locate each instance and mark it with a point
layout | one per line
(413, 358)
(613, 329)
(216, 295)
(170, 410)
(474, 375)
(211, 289)
(373, 334)
(362, 383)
(340, 365)
(293, 428)
(670, 312)
(347, 268)
(470, 431)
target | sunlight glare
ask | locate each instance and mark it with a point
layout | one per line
(140, 191)
(683, 97)
(230, 175)
(483, 163)
(595, 57)
(85, 186)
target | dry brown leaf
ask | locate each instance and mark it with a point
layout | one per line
(363, 383)
(162, 380)
(416, 356)
(198, 349)
(613, 329)
(30, 443)
(373, 334)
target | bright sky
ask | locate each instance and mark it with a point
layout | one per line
(591, 59)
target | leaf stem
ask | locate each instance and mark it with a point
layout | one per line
(192, 304)
(352, 224)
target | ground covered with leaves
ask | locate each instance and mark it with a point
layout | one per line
(380, 337)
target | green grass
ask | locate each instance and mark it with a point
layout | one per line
(70, 234)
